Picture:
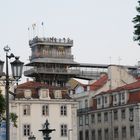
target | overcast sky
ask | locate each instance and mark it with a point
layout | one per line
(102, 30)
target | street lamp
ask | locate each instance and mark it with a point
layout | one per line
(17, 67)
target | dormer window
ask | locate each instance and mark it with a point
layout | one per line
(98, 101)
(105, 99)
(44, 94)
(27, 93)
(123, 96)
(115, 97)
(57, 94)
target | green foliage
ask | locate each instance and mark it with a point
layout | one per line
(2, 105)
(13, 116)
(136, 21)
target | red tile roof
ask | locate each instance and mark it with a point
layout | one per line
(99, 83)
(130, 86)
(31, 84)
(34, 86)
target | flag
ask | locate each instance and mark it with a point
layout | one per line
(33, 25)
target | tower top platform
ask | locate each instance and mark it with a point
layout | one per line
(51, 41)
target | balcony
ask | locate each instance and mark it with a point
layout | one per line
(51, 56)
(84, 110)
(43, 70)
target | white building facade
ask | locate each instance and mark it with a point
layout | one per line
(33, 112)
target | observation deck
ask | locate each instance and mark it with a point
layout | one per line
(51, 41)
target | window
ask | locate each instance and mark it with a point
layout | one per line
(123, 132)
(26, 110)
(86, 119)
(99, 134)
(106, 116)
(98, 101)
(99, 117)
(123, 96)
(86, 103)
(81, 135)
(26, 130)
(45, 110)
(63, 110)
(106, 134)
(131, 114)
(116, 133)
(93, 135)
(115, 97)
(86, 135)
(92, 118)
(115, 115)
(123, 114)
(131, 131)
(80, 120)
(105, 99)
(80, 104)
(63, 130)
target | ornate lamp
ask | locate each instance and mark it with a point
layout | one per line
(17, 67)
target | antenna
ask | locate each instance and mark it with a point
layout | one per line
(119, 59)
(110, 59)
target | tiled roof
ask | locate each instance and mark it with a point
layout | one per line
(32, 84)
(131, 86)
(35, 86)
(99, 83)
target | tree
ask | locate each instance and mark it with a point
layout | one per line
(2, 106)
(13, 116)
(136, 21)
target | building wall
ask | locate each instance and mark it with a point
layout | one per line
(111, 124)
(119, 76)
(36, 120)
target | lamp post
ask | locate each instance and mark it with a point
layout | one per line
(17, 67)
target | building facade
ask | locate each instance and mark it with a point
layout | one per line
(98, 119)
(35, 103)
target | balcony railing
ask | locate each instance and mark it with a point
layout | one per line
(84, 110)
(51, 40)
(51, 71)
(51, 56)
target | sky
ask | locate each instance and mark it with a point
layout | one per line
(102, 30)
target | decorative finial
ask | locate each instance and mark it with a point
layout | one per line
(6, 48)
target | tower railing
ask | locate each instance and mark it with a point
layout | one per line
(51, 40)
(51, 71)
(51, 56)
